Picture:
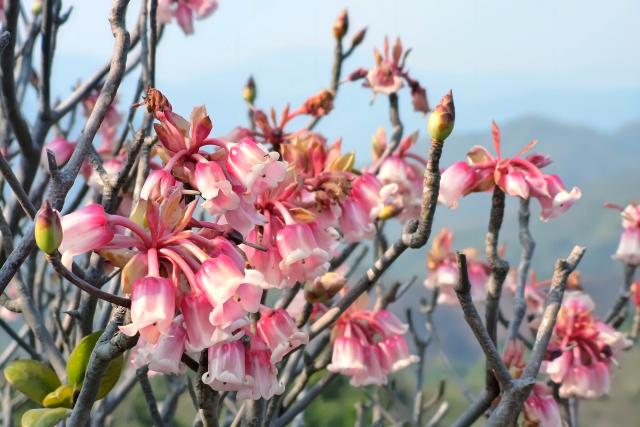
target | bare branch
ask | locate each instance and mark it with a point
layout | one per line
(463, 292)
(143, 377)
(55, 261)
(528, 246)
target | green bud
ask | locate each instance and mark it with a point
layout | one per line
(442, 119)
(36, 7)
(249, 92)
(48, 230)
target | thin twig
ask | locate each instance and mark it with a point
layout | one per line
(143, 378)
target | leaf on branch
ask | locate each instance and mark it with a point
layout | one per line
(62, 397)
(44, 417)
(32, 378)
(79, 360)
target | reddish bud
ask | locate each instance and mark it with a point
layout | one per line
(359, 37)
(358, 74)
(341, 25)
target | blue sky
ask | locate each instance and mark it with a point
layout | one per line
(573, 60)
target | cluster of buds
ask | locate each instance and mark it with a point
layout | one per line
(184, 11)
(629, 247)
(368, 345)
(583, 350)
(443, 270)
(516, 176)
(389, 75)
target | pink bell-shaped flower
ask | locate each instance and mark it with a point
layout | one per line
(215, 188)
(196, 309)
(157, 185)
(347, 357)
(152, 308)
(220, 277)
(395, 353)
(85, 230)
(456, 181)
(280, 333)
(226, 367)
(262, 375)
(167, 353)
(257, 169)
(302, 259)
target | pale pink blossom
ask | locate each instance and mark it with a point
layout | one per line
(85, 230)
(302, 259)
(226, 367)
(541, 409)
(254, 167)
(262, 375)
(279, 331)
(215, 188)
(152, 308)
(61, 148)
(157, 184)
(582, 350)
(167, 352)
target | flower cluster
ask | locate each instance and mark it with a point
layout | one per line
(583, 349)
(388, 75)
(219, 221)
(401, 175)
(443, 270)
(184, 11)
(517, 176)
(369, 345)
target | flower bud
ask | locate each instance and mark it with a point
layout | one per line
(323, 288)
(442, 118)
(359, 37)
(36, 7)
(249, 92)
(358, 74)
(319, 104)
(47, 230)
(341, 26)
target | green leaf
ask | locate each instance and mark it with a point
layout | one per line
(34, 379)
(44, 417)
(62, 397)
(111, 376)
(79, 359)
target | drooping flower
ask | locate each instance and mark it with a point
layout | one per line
(85, 230)
(257, 169)
(152, 308)
(278, 330)
(443, 270)
(226, 367)
(368, 345)
(629, 247)
(516, 176)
